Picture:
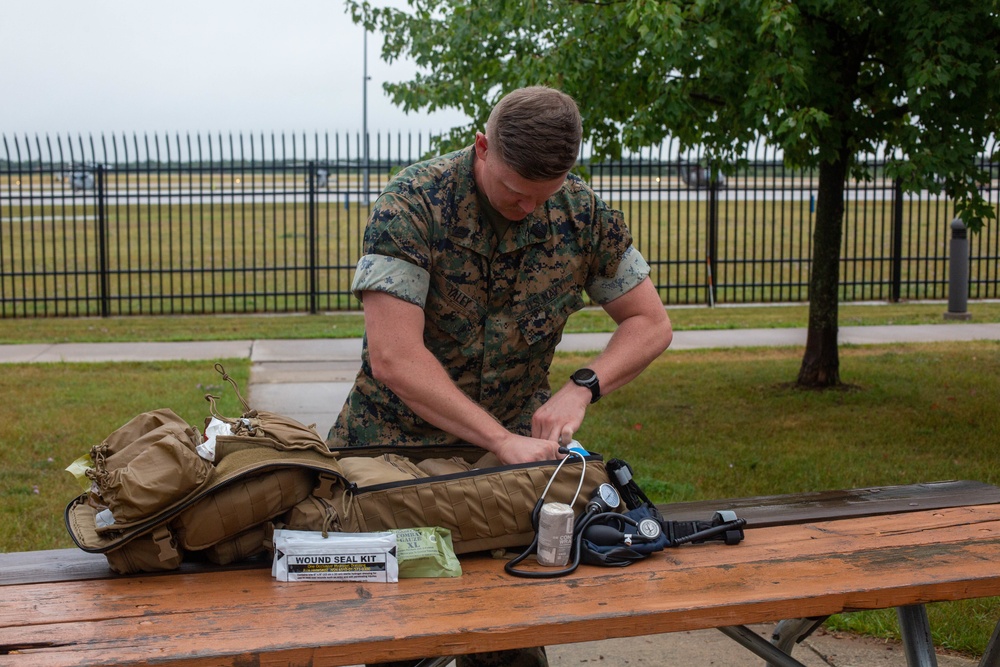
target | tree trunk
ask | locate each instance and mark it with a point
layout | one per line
(821, 362)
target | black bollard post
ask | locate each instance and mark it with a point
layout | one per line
(958, 273)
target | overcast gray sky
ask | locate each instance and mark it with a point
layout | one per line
(193, 66)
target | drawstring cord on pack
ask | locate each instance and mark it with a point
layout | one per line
(228, 378)
(263, 425)
(99, 473)
(245, 423)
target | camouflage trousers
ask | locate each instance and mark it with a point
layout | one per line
(522, 657)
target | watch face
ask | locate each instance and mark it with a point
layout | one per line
(585, 377)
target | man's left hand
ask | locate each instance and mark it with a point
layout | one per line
(561, 416)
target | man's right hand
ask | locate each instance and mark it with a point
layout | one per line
(522, 449)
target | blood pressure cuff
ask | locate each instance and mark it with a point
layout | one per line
(616, 540)
(592, 554)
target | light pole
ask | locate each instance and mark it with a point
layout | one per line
(364, 120)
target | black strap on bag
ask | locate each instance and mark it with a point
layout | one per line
(621, 476)
(725, 526)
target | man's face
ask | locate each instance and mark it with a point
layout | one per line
(512, 195)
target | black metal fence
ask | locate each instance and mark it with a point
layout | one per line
(127, 225)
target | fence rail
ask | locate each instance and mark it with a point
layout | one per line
(274, 223)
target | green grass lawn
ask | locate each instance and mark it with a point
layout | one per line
(54, 413)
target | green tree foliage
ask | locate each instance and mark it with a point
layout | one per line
(824, 80)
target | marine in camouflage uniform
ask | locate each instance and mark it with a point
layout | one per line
(494, 307)
(465, 306)
(495, 302)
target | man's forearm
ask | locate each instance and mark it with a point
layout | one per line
(420, 381)
(632, 347)
(643, 333)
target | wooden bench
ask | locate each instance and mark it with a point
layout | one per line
(804, 556)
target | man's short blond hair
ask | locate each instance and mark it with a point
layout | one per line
(536, 131)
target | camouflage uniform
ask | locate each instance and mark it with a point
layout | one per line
(494, 311)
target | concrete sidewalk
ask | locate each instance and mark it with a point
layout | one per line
(340, 349)
(309, 379)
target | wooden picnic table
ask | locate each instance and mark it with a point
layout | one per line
(860, 558)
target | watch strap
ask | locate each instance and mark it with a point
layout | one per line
(590, 382)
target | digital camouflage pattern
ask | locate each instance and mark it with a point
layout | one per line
(493, 313)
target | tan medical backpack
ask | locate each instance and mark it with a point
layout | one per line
(154, 502)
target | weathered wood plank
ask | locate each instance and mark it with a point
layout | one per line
(239, 618)
(53, 565)
(760, 511)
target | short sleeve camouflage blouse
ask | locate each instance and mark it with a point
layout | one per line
(493, 314)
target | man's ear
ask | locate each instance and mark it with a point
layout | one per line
(481, 145)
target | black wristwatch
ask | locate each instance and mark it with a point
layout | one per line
(588, 378)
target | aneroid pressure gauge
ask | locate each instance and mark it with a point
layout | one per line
(605, 498)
